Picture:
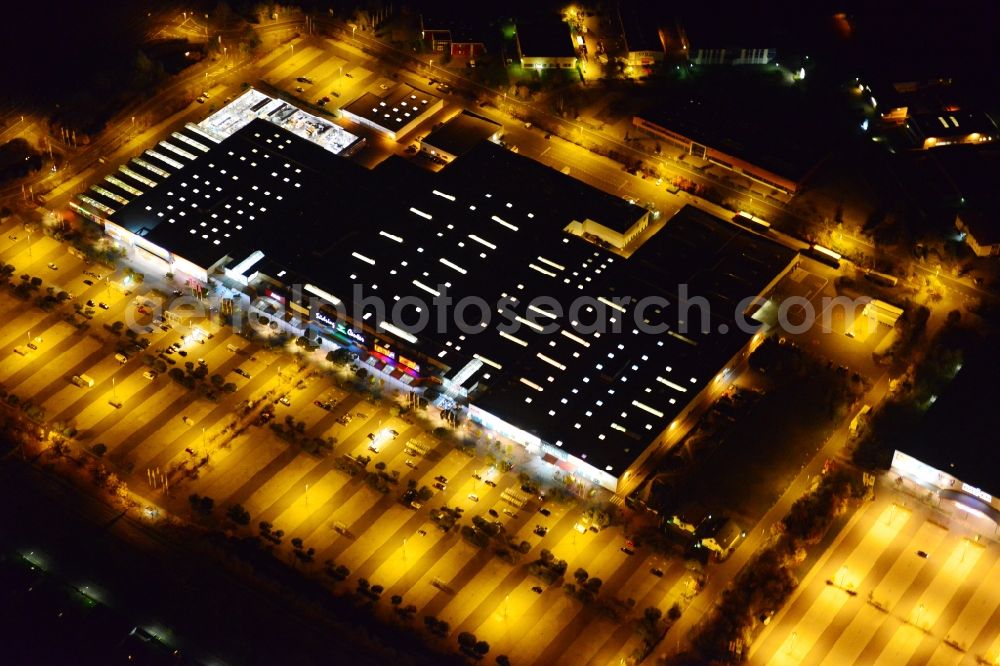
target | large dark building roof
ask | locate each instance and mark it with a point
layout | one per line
(490, 226)
(959, 432)
(520, 178)
(545, 37)
(974, 173)
(462, 133)
(263, 187)
(777, 128)
(399, 107)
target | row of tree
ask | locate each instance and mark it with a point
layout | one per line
(769, 578)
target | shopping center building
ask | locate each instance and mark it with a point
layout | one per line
(953, 458)
(477, 280)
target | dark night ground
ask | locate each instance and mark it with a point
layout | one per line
(148, 580)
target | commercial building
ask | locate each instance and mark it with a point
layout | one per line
(897, 101)
(771, 141)
(953, 459)
(935, 130)
(471, 280)
(452, 36)
(142, 174)
(396, 113)
(459, 135)
(969, 177)
(743, 38)
(982, 231)
(643, 40)
(545, 44)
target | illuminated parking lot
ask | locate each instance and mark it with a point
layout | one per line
(895, 587)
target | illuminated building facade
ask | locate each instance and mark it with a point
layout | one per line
(545, 44)
(935, 130)
(952, 459)
(588, 360)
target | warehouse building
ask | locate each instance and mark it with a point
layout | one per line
(459, 135)
(396, 113)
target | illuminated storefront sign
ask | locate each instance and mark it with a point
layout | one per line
(275, 295)
(409, 364)
(385, 351)
(976, 492)
(351, 333)
(339, 328)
